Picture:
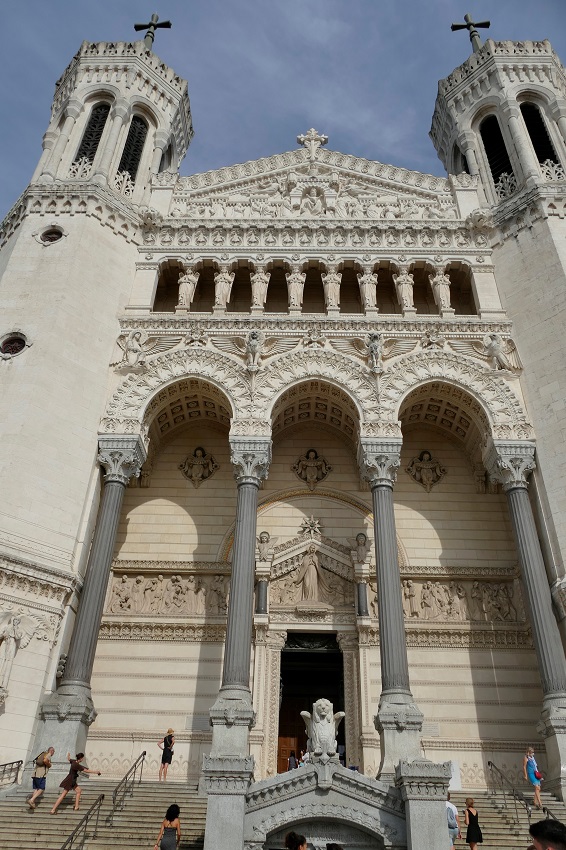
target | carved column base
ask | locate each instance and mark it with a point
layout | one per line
(552, 727)
(231, 718)
(423, 786)
(65, 718)
(399, 723)
(226, 780)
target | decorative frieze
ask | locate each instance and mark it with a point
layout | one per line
(172, 596)
(175, 632)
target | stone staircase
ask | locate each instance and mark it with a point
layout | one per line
(134, 828)
(497, 821)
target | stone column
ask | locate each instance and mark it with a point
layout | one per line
(510, 463)
(348, 643)
(228, 770)
(520, 136)
(72, 112)
(120, 114)
(423, 786)
(69, 711)
(399, 721)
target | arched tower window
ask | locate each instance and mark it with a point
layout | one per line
(93, 132)
(538, 133)
(495, 150)
(460, 161)
(133, 148)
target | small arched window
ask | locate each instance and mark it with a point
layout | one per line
(495, 150)
(538, 133)
(133, 148)
(93, 132)
(460, 161)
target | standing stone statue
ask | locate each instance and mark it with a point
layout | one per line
(15, 631)
(368, 288)
(187, 287)
(331, 284)
(260, 281)
(322, 728)
(295, 286)
(223, 281)
(404, 285)
(440, 283)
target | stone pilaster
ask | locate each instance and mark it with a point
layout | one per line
(228, 770)
(510, 464)
(348, 643)
(399, 721)
(68, 713)
(423, 786)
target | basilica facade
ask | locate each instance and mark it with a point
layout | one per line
(286, 430)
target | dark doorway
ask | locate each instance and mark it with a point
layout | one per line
(311, 668)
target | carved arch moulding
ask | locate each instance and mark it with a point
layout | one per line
(500, 411)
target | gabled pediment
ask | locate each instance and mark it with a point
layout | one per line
(296, 185)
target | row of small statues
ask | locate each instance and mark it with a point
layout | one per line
(476, 601)
(331, 281)
(190, 595)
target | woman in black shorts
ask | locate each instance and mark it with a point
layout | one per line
(166, 744)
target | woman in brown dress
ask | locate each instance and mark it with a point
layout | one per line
(70, 781)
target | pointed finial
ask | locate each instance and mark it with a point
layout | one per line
(471, 27)
(151, 27)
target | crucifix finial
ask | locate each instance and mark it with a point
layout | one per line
(151, 27)
(471, 27)
(312, 141)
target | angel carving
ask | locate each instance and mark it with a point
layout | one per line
(374, 349)
(426, 470)
(360, 546)
(322, 728)
(265, 544)
(137, 347)
(255, 347)
(311, 468)
(16, 631)
(499, 353)
(198, 467)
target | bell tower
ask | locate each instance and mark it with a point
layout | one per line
(501, 117)
(69, 249)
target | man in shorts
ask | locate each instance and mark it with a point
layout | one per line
(453, 822)
(39, 775)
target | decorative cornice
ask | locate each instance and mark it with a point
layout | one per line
(498, 636)
(131, 567)
(174, 632)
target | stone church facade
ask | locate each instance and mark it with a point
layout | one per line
(286, 430)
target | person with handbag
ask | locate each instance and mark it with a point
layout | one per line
(532, 774)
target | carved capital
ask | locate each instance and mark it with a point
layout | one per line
(509, 462)
(422, 779)
(348, 641)
(251, 458)
(379, 461)
(121, 457)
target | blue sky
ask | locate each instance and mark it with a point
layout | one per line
(364, 72)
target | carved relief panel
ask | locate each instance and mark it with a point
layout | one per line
(187, 595)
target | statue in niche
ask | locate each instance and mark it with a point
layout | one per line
(322, 728)
(310, 578)
(16, 631)
(187, 287)
(260, 281)
(312, 204)
(311, 468)
(368, 288)
(425, 470)
(404, 283)
(295, 286)
(331, 285)
(223, 281)
(198, 467)
(440, 283)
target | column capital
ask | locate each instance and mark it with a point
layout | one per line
(121, 456)
(251, 457)
(509, 462)
(121, 109)
(379, 461)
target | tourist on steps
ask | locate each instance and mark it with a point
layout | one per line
(473, 833)
(70, 781)
(169, 836)
(39, 775)
(548, 835)
(453, 822)
(166, 744)
(530, 771)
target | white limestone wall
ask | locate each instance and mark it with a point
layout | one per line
(531, 276)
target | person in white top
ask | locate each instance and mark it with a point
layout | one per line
(453, 822)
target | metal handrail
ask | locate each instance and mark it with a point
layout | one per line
(126, 786)
(79, 831)
(518, 796)
(12, 769)
(549, 814)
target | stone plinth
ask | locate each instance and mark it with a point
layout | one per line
(424, 786)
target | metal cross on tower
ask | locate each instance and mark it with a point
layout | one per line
(471, 27)
(151, 27)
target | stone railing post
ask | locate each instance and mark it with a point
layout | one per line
(423, 786)
(398, 721)
(510, 464)
(228, 771)
(68, 712)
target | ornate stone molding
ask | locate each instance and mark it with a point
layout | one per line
(175, 632)
(40, 587)
(379, 461)
(510, 463)
(498, 636)
(122, 458)
(422, 779)
(250, 457)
